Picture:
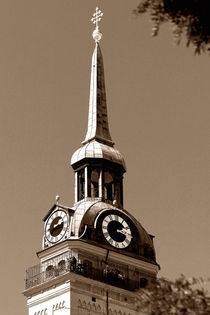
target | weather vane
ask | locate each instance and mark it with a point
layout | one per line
(96, 19)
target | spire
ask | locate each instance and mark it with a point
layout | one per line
(98, 128)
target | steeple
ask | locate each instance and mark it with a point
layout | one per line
(98, 128)
(98, 166)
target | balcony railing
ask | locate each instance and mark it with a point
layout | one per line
(108, 274)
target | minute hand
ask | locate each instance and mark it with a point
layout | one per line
(123, 231)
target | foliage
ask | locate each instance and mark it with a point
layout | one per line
(187, 16)
(182, 296)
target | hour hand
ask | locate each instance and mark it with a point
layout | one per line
(56, 225)
(59, 223)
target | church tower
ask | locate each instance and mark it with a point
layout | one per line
(95, 255)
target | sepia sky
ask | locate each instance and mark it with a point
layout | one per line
(159, 111)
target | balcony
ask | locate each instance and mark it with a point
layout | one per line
(106, 273)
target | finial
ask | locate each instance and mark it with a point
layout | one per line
(114, 202)
(57, 198)
(96, 19)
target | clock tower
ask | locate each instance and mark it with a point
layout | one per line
(95, 255)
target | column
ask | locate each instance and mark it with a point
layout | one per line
(76, 186)
(101, 184)
(86, 182)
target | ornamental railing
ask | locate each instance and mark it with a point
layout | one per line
(107, 273)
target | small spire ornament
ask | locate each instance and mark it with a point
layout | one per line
(57, 198)
(96, 19)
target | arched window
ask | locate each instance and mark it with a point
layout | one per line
(61, 266)
(50, 271)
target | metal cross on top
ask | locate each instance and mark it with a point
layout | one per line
(97, 17)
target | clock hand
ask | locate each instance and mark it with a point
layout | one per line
(123, 231)
(57, 225)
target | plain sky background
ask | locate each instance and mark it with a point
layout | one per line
(158, 105)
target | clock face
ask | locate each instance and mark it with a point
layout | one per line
(116, 231)
(56, 226)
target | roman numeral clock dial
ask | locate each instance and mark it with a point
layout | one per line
(116, 231)
(56, 226)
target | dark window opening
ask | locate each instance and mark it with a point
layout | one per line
(94, 190)
(94, 183)
(109, 191)
(81, 184)
(93, 299)
(109, 186)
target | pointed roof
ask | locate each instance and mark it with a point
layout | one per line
(98, 128)
(98, 143)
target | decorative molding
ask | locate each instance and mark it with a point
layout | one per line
(83, 305)
(69, 245)
(48, 294)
